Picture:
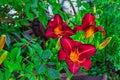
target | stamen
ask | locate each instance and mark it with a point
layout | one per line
(74, 56)
(58, 30)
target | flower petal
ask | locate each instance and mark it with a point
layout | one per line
(51, 24)
(77, 28)
(57, 19)
(73, 67)
(88, 19)
(77, 43)
(50, 33)
(67, 44)
(100, 28)
(61, 54)
(66, 29)
(90, 31)
(86, 50)
(86, 64)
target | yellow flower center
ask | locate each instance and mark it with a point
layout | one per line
(74, 56)
(89, 32)
(58, 30)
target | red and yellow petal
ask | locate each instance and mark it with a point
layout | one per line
(50, 33)
(86, 64)
(67, 44)
(90, 31)
(61, 55)
(88, 19)
(73, 67)
(86, 50)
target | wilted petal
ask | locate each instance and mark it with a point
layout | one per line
(73, 67)
(67, 44)
(86, 64)
(77, 28)
(50, 33)
(100, 28)
(105, 43)
(2, 41)
(86, 50)
(88, 19)
(57, 19)
(61, 55)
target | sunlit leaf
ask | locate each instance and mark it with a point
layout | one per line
(3, 56)
(94, 9)
(58, 43)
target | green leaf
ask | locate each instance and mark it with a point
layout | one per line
(37, 48)
(28, 37)
(24, 22)
(24, 40)
(40, 68)
(34, 3)
(41, 77)
(30, 50)
(7, 74)
(18, 44)
(36, 59)
(54, 74)
(46, 54)
(30, 16)
(8, 40)
(51, 63)
(1, 75)
(32, 77)
(15, 53)
(29, 68)
(18, 52)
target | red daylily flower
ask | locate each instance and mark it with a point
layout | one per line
(57, 28)
(89, 26)
(76, 54)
